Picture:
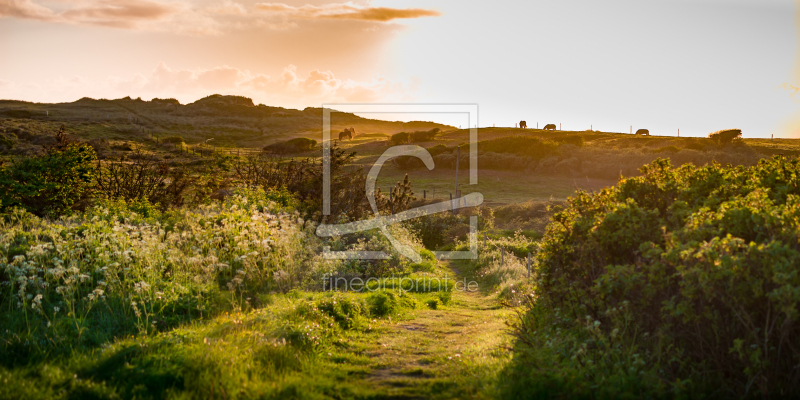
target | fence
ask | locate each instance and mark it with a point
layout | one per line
(503, 254)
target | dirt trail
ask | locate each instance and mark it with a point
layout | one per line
(439, 353)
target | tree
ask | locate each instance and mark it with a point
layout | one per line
(51, 184)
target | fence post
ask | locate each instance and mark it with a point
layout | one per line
(452, 207)
(484, 239)
(423, 194)
(502, 256)
(529, 265)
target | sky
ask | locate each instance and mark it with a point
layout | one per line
(665, 65)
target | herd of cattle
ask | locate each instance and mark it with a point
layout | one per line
(552, 127)
(350, 133)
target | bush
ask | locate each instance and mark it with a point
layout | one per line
(725, 135)
(382, 304)
(143, 178)
(6, 143)
(694, 273)
(51, 184)
(414, 137)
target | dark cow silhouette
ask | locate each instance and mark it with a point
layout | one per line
(643, 132)
(349, 133)
(523, 124)
(551, 127)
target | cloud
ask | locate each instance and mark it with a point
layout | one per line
(344, 11)
(793, 91)
(182, 16)
(289, 88)
(228, 7)
(112, 13)
(154, 15)
(25, 9)
(119, 13)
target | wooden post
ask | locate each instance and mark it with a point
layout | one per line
(391, 201)
(502, 256)
(631, 129)
(423, 194)
(452, 208)
(433, 195)
(529, 265)
(559, 126)
(484, 239)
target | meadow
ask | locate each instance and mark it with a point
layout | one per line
(170, 251)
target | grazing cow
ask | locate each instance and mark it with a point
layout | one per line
(550, 127)
(523, 124)
(349, 133)
(643, 132)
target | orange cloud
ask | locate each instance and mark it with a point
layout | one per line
(119, 13)
(157, 15)
(25, 9)
(113, 13)
(344, 11)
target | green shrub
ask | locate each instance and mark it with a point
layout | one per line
(48, 185)
(432, 304)
(345, 310)
(6, 143)
(382, 304)
(695, 271)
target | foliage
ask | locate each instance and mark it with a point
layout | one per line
(725, 135)
(143, 178)
(51, 184)
(126, 267)
(303, 178)
(414, 137)
(441, 229)
(690, 276)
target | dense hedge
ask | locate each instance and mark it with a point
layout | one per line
(51, 184)
(681, 280)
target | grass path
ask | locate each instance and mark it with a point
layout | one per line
(454, 351)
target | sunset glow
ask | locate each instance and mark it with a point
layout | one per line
(696, 66)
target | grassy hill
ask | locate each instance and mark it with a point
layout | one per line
(232, 121)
